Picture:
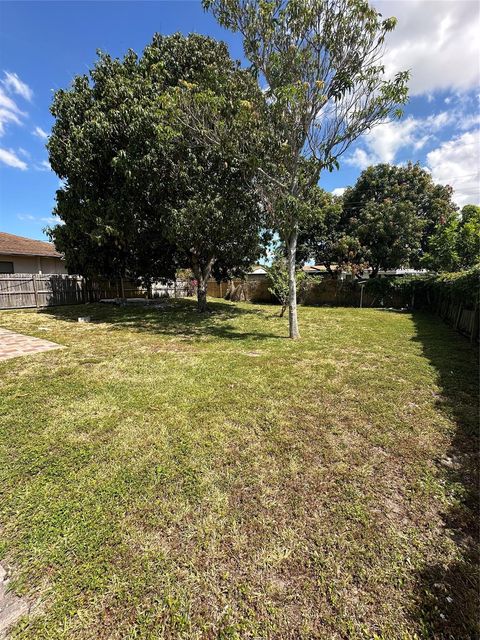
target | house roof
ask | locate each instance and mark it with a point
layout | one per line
(314, 268)
(20, 246)
(257, 270)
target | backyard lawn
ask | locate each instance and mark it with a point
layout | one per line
(169, 475)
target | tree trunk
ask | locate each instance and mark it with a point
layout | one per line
(202, 274)
(292, 286)
(202, 295)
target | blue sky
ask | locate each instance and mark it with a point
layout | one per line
(43, 45)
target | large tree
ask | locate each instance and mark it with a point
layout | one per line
(321, 238)
(392, 211)
(468, 239)
(102, 145)
(216, 219)
(138, 188)
(319, 62)
(455, 243)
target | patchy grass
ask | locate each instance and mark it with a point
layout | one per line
(175, 476)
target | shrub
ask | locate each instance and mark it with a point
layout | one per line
(462, 286)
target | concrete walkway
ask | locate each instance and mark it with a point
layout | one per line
(11, 606)
(14, 344)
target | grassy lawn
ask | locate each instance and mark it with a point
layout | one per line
(174, 476)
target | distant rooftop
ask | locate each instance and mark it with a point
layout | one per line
(257, 269)
(314, 268)
(20, 246)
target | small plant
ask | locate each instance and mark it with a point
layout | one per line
(278, 274)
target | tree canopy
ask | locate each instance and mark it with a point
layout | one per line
(140, 195)
(320, 234)
(468, 242)
(390, 214)
(455, 243)
(215, 218)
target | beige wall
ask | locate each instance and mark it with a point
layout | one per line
(35, 264)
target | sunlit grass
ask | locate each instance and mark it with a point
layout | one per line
(176, 476)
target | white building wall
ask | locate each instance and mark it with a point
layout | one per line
(35, 264)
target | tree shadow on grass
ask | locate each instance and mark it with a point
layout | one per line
(170, 317)
(448, 604)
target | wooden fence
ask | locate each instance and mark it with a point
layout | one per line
(23, 290)
(253, 289)
(26, 290)
(462, 317)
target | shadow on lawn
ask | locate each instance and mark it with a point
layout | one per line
(171, 317)
(449, 595)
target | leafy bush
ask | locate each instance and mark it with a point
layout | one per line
(462, 286)
(278, 274)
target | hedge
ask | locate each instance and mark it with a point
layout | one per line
(462, 287)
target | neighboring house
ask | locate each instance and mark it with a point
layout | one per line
(391, 273)
(259, 271)
(256, 272)
(24, 255)
(316, 270)
(320, 270)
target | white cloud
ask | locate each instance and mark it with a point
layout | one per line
(339, 191)
(469, 121)
(7, 103)
(9, 111)
(385, 142)
(10, 158)
(40, 133)
(44, 165)
(437, 41)
(39, 219)
(456, 162)
(13, 83)
(7, 116)
(360, 159)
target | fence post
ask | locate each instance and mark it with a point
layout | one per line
(459, 314)
(34, 281)
(474, 325)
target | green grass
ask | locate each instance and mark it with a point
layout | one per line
(176, 476)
